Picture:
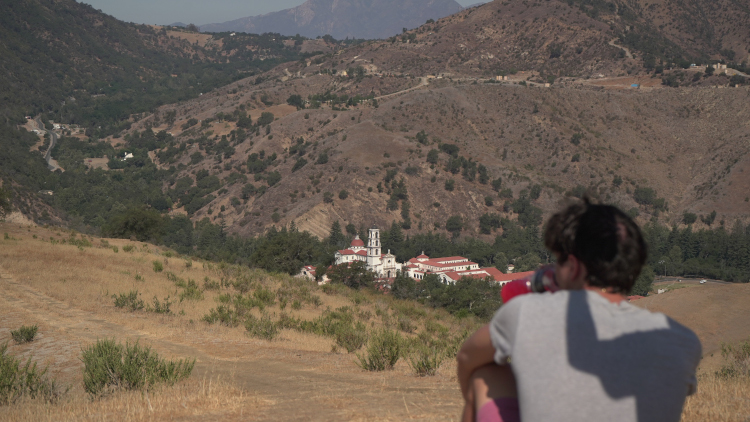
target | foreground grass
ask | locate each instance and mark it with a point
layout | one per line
(212, 304)
(220, 399)
(719, 399)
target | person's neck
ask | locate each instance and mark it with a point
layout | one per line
(606, 293)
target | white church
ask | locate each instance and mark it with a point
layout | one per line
(382, 264)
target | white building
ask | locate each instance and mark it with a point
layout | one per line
(384, 265)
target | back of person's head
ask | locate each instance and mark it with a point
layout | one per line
(603, 238)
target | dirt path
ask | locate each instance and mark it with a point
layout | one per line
(625, 49)
(424, 81)
(291, 383)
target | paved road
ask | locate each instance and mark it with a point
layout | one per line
(53, 137)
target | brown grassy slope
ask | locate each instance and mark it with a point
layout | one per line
(66, 291)
(701, 27)
(714, 311)
(689, 144)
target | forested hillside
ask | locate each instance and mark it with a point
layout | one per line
(416, 134)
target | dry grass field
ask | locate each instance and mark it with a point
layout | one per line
(67, 289)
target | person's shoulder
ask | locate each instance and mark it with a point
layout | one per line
(673, 330)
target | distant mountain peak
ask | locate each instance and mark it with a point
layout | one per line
(368, 19)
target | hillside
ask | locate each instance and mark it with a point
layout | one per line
(84, 67)
(375, 111)
(360, 151)
(342, 19)
(297, 373)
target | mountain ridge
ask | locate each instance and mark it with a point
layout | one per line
(362, 19)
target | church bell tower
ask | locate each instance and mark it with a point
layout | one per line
(374, 262)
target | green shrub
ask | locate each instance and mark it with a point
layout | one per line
(265, 296)
(161, 307)
(210, 284)
(224, 315)
(128, 248)
(25, 334)
(110, 366)
(263, 328)
(383, 351)
(287, 321)
(191, 291)
(129, 301)
(404, 324)
(115, 249)
(425, 361)
(736, 360)
(351, 338)
(18, 381)
(158, 267)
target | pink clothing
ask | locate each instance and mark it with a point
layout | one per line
(504, 409)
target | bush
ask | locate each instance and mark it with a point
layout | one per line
(223, 315)
(111, 366)
(352, 338)
(450, 184)
(161, 307)
(263, 328)
(383, 351)
(737, 360)
(128, 248)
(129, 300)
(191, 291)
(18, 381)
(25, 334)
(158, 267)
(425, 361)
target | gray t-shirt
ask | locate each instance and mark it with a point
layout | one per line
(578, 357)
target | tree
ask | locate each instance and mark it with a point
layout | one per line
(343, 194)
(286, 251)
(450, 184)
(454, 224)
(404, 287)
(644, 281)
(296, 100)
(354, 275)
(320, 271)
(265, 118)
(335, 236)
(497, 184)
(432, 156)
(139, 223)
(528, 262)
(501, 262)
(689, 218)
(5, 203)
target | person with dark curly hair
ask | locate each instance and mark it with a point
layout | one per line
(582, 353)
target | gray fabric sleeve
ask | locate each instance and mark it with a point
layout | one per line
(503, 329)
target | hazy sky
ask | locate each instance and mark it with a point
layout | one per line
(199, 12)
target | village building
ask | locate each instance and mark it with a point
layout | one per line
(384, 265)
(449, 269)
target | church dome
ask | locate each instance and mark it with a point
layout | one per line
(357, 242)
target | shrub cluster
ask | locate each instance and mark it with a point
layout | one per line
(25, 334)
(111, 366)
(17, 381)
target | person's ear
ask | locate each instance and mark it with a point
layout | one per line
(579, 273)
